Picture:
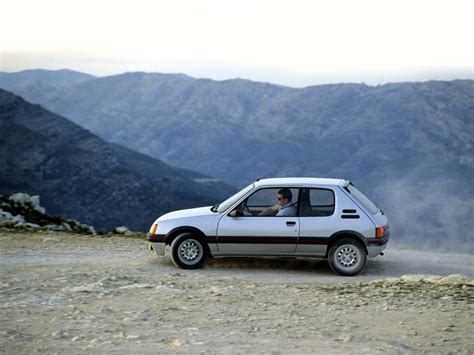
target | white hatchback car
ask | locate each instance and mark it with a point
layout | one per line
(279, 217)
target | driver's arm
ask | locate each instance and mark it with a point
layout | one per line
(269, 211)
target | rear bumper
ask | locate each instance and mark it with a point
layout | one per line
(156, 243)
(377, 245)
(374, 250)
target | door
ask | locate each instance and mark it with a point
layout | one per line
(267, 224)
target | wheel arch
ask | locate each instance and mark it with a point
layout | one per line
(351, 234)
(172, 234)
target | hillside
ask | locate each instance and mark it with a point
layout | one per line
(80, 176)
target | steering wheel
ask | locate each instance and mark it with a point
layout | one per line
(245, 207)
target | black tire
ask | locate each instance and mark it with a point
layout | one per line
(347, 257)
(188, 251)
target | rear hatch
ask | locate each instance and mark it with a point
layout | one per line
(375, 213)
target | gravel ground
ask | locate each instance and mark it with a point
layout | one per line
(63, 293)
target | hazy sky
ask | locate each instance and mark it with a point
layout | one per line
(293, 42)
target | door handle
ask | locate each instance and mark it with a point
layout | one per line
(290, 223)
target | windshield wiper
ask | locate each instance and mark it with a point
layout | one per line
(215, 207)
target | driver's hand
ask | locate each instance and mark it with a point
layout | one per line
(269, 211)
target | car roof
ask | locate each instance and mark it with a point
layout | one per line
(299, 181)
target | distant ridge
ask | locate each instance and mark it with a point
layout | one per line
(78, 175)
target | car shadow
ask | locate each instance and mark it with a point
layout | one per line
(315, 266)
(270, 264)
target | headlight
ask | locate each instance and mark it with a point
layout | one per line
(153, 228)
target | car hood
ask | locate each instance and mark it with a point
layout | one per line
(191, 212)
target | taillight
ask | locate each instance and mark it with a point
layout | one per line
(153, 228)
(379, 232)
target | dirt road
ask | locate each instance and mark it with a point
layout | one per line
(72, 293)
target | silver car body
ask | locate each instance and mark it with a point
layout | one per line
(277, 236)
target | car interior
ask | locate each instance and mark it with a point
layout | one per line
(314, 202)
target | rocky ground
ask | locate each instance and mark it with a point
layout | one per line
(63, 293)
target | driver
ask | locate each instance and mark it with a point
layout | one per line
(284, 206)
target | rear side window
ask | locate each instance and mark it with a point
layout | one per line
(364, 200)
(317, 203)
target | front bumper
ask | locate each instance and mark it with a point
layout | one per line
(156, 243)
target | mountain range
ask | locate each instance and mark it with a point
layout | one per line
(409, 146)
(40, 82)
(79, 175)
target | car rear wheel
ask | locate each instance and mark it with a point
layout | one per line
(188, 251)
(347, 257)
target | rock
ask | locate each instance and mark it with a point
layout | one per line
(121, 335)
(22, 211)
(58, 334)
(78, 227)
(66, 226)
(31, 226)
(106, 310)
(26, 200)
(122, 230)
(137, 286)
(54, 227)
(85, 289)
(184, 342)
(7, 223)
(454, 279)
(347, 338)
(50, 240)
(9, 220)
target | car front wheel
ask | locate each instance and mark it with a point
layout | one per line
(188, 252)
(347, 257)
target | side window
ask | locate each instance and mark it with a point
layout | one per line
(317, 202)
(271, 202)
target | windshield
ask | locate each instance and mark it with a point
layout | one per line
(364, 200)
(230, 201)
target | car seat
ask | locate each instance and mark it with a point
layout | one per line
(305, 203)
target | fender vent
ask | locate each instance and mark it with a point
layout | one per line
(349, 211)
(350, 216)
